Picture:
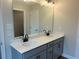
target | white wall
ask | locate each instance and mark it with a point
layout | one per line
(7, 26)
(77, 49)
(66, 21)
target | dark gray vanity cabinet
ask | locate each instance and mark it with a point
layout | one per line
(51, 50)
(50, 53)
(55, 48)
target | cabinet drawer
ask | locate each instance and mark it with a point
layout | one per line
(55, 42)
(34, 51)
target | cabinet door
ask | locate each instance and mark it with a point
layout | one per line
(57, 50)
(41, 55)
(50, 53)
(60, 48)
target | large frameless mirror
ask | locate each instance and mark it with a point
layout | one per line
(32, 17)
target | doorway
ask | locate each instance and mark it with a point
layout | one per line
(18, 18)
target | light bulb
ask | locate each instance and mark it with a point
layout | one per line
(24, 0)
(53, 3)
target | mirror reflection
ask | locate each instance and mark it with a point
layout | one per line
(31, 17)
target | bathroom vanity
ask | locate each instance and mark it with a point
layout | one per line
(41, 47)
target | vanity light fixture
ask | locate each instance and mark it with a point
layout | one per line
(51, 2)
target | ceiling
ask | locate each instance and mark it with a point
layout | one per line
(32, 2)
(29, 0)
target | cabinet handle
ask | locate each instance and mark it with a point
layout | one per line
(38, 57)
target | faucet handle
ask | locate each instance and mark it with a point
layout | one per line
(26, 36)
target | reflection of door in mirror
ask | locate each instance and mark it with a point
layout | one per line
(18, 17)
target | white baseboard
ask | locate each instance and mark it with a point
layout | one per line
(68, 56)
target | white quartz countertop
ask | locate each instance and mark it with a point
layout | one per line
(34, 42)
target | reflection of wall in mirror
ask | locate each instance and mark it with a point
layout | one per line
(46, 18)
(34, 19)
(41, 18)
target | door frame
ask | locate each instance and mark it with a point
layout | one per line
(16, 21)
(24, 17)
